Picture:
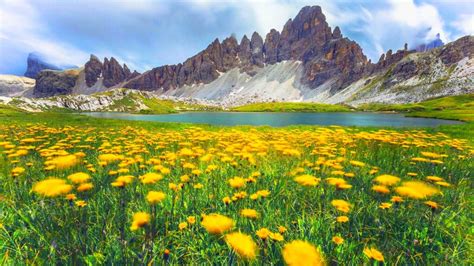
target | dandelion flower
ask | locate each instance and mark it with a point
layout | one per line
(433, 205)
(109, 158)
(263, 233)
(52, 187)
(387, 180)
(80, 203)
(416, 190)
(85, 187)
(381, 189)
(237, 182)
(217, 224)
(198, 186)
(17, 171)
(299, 252)
(150, 178)
(385, 205)
(140, 219)
(182, 225)
(373, 253)
(357, 163)
(307, 180)
(263, 193)
(342, 219)
(154, 197)
(337, 240)
(121, 181)
(249, 213)
(191, 219)
(79, 178)
(277, 237)
(443, 184)
(71, 196)
(282, 229)
(226, 200)
(396, 199)
(434, 178)
(341, 205)
(242, 244)
(62, 162)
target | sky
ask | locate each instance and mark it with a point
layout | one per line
(150, 33)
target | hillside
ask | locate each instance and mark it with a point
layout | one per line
(459, 107)
(116, 100)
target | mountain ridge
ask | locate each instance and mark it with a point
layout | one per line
(306, 61)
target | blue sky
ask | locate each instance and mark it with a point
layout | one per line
(146, 33)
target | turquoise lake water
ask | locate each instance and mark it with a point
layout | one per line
(283, 119)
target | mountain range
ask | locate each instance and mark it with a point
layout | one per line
(306, 61)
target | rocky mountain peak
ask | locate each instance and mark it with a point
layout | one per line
(270, 47)
(256, 48)
(92, 70)
(111, 71)
(307, 38)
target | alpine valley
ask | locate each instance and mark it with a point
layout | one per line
(306, 62)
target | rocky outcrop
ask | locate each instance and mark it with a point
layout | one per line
(51, 83)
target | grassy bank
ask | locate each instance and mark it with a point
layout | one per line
(291, 107)
(459, 107)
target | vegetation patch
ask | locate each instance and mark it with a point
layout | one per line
(460, 107)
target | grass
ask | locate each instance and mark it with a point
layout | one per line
(459, 107)
(291, 107)
(35, 229)
(158, 106)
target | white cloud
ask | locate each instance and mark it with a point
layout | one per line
(464, 24)
(21, 29)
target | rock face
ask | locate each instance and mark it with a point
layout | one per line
(51, 83)
(326, 55)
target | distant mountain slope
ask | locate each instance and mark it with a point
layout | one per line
(11, 85)
(437, 42)
(94, 77)
(36, 63)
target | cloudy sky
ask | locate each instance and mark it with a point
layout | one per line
(147, 33)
